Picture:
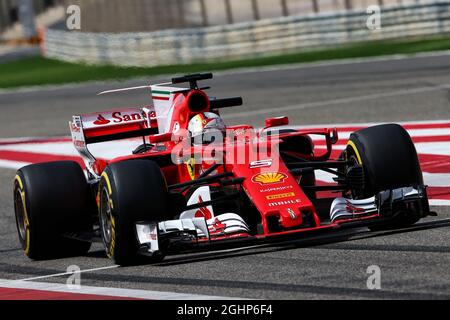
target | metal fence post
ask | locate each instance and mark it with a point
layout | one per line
(181, 12)
(315, 5)
(3, 15)
(255, 7)
(10, 17)
(204, 13)
(229, 11)
(348, 4)
(26, 17)
(284, 8)
(38, 6)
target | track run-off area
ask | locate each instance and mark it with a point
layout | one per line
(413, 262)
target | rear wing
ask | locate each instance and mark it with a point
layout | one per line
(163, 96)
(109, 126)
(115, 125)
(127, 123)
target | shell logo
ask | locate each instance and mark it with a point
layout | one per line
(269, 178)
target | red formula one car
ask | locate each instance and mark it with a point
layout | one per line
(195, 183)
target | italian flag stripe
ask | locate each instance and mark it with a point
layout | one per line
(161, 95)
(161, 98)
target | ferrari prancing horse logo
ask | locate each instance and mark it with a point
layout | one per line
(190, 164)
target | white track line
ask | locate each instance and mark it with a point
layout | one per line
(14, 165)
(68, 273)
(55, 275)
(330, 63)
(337, 101)
(439, 203)
(109, 292)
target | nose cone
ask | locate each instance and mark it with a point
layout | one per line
(276, 194)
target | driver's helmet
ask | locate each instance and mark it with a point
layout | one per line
(206, 128)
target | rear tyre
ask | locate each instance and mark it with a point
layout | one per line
(130, 192)
(51, 200)
(389, 160)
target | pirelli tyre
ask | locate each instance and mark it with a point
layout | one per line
(51, 200)
(130, 192)
(389, 160)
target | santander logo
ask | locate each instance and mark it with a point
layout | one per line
(118, 117)
(101, 121)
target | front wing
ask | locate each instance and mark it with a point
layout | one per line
(188, 234)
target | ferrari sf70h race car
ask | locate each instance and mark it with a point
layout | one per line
(194, 183)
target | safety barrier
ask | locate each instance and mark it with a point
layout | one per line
(247, 40)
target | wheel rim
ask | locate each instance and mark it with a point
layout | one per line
(353, 158)
(20, 213)
(106, 217)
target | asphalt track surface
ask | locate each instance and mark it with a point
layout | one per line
(414, 262)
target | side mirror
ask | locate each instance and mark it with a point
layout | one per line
(277, 122)
(334, 137)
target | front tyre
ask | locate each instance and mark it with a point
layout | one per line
(389, 160)
(130, 192)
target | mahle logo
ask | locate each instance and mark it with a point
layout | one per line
(73, 21)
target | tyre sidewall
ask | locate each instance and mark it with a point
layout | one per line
(138, 192)
(56, 202)
(388, 156)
